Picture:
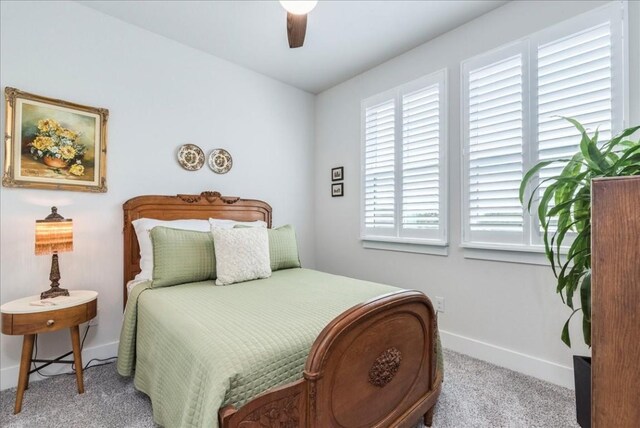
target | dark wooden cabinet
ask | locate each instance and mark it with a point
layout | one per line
(615, 334)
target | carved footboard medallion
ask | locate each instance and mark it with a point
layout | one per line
(385, 367)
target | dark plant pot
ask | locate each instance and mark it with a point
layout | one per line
(582, 375)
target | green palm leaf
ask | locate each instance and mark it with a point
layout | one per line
(564, 212)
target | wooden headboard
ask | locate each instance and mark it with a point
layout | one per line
(202, 206)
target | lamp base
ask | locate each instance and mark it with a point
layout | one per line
(54, 276)
(54, 292)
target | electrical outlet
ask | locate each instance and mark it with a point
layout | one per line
(94, 321)
(440, 304)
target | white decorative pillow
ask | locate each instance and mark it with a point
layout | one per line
(143, 227)
(241, 254)
(217, 223)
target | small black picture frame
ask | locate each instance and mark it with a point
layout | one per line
(337, 190)
(337, 174)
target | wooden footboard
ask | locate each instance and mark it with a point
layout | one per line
(373, 366)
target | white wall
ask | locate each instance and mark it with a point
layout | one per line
(161, 95)
(506, 313)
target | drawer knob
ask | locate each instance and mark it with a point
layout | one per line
(50, 322)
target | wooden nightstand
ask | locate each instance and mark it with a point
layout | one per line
(19, 317)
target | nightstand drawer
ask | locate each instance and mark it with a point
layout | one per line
(42, 322)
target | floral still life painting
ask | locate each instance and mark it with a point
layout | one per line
(53, 144)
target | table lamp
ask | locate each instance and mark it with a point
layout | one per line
(54, 235)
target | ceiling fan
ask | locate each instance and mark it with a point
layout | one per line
(297, 11)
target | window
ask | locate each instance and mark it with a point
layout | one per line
(403, 168)
(513, 102)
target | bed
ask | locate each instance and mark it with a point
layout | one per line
(299, 349)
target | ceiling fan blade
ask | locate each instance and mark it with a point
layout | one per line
(296, 29)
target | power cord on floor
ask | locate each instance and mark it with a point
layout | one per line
(102, 361)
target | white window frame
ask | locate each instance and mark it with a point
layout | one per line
(421, 241)
(524, 250)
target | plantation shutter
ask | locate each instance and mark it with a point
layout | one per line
(574, 80)
(404, 179)
(494, 153)
(379, 167)
(421, 159)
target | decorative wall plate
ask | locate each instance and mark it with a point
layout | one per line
(191, 157)
(220, 161)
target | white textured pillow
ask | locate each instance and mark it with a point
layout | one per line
(241, 254)
(217, 223)
(143, 226)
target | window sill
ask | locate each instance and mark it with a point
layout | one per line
(406, 246)
(514, 254)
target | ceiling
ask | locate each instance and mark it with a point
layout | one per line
(344, 38)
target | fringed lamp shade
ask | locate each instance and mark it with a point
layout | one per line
(54, 236)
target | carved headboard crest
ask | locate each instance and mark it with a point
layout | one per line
(210, 197)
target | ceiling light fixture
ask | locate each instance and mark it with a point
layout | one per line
(298, 7)
(297, 11)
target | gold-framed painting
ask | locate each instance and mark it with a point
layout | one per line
(54, 144)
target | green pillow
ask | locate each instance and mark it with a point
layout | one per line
(181, 256)
(283, 249)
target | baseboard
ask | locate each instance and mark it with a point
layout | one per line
(526, 364)
(9, 375)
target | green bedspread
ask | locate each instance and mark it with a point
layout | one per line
(197, 347)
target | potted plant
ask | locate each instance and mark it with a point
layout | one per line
(564, 212)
